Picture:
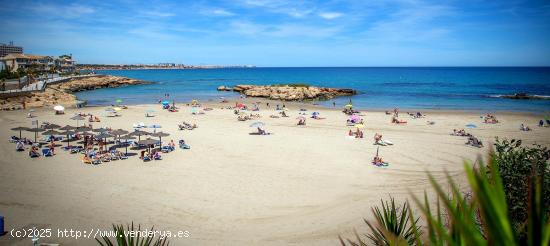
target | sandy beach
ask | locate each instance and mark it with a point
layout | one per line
(302, 185)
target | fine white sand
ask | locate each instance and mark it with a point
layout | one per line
(299, 186)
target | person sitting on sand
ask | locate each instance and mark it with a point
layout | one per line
(283, 114)
(261, 131)
(524, 127)
(377, 138)
(541, 123)
(52, 147)
(378, 161)
(350, 133)
(33, 151)
(397, 121)
(20, 146)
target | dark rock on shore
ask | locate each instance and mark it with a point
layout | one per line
(289, 92)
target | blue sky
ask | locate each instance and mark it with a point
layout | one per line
(284, 33)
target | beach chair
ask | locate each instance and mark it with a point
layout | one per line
(13, 139)
(122, 156)
(46, 152)
(96, 161)
(166, 149)
(183, 145)
(76, 149)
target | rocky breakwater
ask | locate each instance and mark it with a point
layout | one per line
(61, 93)
(289, 92)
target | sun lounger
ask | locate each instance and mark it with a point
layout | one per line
(166, 149)
(46, 152)
(96, 161)
(380, 164)
(13, 139)
(76, 149)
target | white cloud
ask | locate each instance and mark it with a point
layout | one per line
(154, 13)
(220, 12)
(330, 15)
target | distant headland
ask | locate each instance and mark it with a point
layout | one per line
(154, 66)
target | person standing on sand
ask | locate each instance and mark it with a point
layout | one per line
(333, 104)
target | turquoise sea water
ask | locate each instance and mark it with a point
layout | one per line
(380, 88)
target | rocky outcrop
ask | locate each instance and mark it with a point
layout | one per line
(98, 82)
(289, 92)
(61, 93)
(524, 96)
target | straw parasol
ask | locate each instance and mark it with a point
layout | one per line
(104, 135)
(127, 137)
(51, 126)
(148, 142)
(160, 135)
(67, 133)
(20, 128)
(100, 130)
(82, 129)
(67, 128)
(77, 118)
(36, 130)
(138, 133)
(51, 132)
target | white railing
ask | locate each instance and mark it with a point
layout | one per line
(41, 84)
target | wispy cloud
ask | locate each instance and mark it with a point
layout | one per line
(330, 15)
(217, 12)
(156, 13)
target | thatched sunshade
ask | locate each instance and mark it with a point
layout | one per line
(20, 128)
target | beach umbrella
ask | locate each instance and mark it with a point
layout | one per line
(100, 130)
(36, 130)
(104, 135)
(139, 133)
(354, 117)
(160, 135)
(77, 118)
(119, 132)
(147, 142)
(20, 128)
(118, 101)
(257, 124)
(155, 127)
(83, 129)
(67, 133)
(58, 108)
(51, 132)
(67, 128)
(348, 106)
(165, 102)
(315, 113)
(471, 125)
(127, 137)
(50, 126)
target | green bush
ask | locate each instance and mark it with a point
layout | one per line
(517, 166)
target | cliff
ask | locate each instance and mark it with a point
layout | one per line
(289, 92)
(61, 93)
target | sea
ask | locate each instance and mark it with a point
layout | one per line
(447, 88)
